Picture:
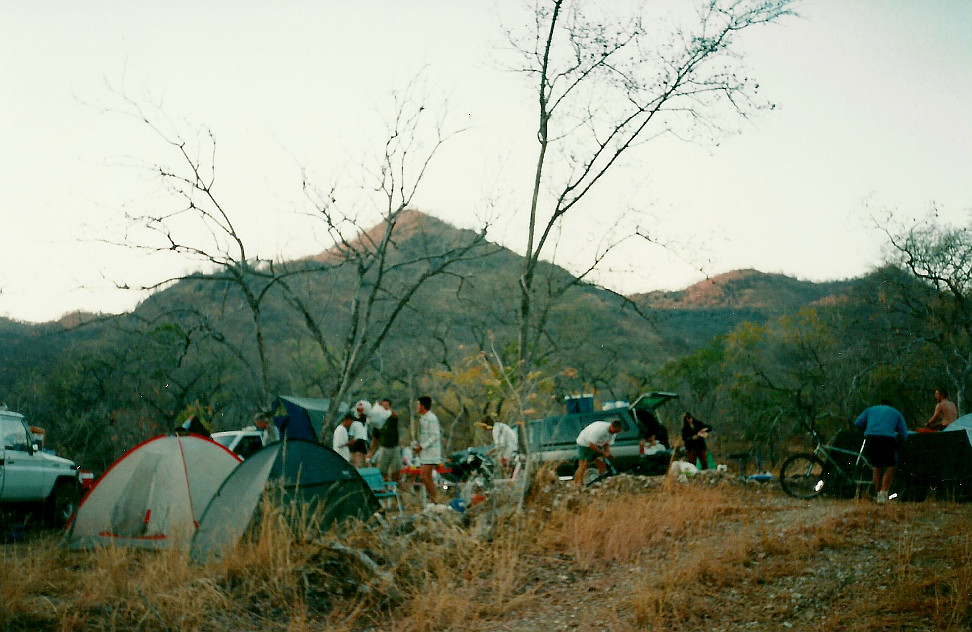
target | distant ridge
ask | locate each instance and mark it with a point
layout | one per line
(744, 290)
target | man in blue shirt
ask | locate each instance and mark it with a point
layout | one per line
(885, 431)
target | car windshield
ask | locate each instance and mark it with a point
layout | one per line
(224, 440)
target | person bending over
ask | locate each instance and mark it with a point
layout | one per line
(594, 445)
(885, 431)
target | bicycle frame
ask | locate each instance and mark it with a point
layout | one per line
(824, 452)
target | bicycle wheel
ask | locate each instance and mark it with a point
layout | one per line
(802, 476)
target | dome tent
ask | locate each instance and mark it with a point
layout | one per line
(153, 496)
(310, 473)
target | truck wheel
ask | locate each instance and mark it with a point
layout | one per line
(62, 503)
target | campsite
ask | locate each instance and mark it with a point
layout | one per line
(182, 533)
(632, 553)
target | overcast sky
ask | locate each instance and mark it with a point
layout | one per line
(873, 112)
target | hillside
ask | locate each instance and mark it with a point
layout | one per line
(689, 318)
(451, 317)
(743, 290)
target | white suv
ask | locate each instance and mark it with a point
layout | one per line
(243, 442)
(31, 477)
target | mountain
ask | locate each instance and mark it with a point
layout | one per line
(744, 290)
(689, 318)
(591, 329)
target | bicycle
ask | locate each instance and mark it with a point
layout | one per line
(808, 474)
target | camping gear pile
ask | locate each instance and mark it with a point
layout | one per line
(191, 493)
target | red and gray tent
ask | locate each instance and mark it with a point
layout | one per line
(310, 474)
(153, 496)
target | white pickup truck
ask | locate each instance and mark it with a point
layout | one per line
(32, 478)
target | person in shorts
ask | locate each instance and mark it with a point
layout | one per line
(359, 437)
(594, 445)
(387, 453)
(429, 445)
(885, 431)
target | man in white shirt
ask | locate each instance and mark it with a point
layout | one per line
(429, 448)
(359, 441)
(341, 443)
(593, 444)
(504, 439)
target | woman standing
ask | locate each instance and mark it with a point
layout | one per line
(694, 433)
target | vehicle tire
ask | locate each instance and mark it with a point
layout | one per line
(802, 476)
(62, 503)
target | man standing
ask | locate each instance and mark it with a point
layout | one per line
(359, 443)
(885, 431)
(384, 445)
(429, 446)
(593, 444)
(341, 442)
(504, 439)
(945, 411)
(268, 430)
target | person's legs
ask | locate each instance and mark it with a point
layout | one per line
(703, 460)
(601, 465)
(888, 479)
(579, 474)
(877, 479)
(394, 463)
(426, 474)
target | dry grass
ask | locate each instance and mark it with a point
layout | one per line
(685, 557)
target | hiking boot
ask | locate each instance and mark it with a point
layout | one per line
(882, 497)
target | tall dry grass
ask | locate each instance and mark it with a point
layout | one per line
(681, 547)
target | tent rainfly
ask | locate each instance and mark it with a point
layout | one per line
(300, 417)
(153, 496)
(312, 474)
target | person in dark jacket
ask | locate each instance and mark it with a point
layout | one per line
(694, 433)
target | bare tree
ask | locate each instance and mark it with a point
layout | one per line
(385, 268)
(199, 227)
(376, 272)
(940, 255)
(605, 86)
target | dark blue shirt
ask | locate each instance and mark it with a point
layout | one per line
(882, 421)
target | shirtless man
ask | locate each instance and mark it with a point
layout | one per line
(945, 411)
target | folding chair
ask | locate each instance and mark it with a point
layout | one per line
(379, 486)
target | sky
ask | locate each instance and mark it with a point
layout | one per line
(872, 116)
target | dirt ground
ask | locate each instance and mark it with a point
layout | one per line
(775, 564)
(723, 555)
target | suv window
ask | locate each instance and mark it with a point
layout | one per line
(248, 445)
(13, 435)
(565, 428)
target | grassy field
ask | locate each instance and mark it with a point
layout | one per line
(630, 555)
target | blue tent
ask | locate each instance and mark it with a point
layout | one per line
(301, 417)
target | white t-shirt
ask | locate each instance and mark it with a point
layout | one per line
(357, 431)
(340, 442)
(596, 433)
(430, 438)
(504, 440)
